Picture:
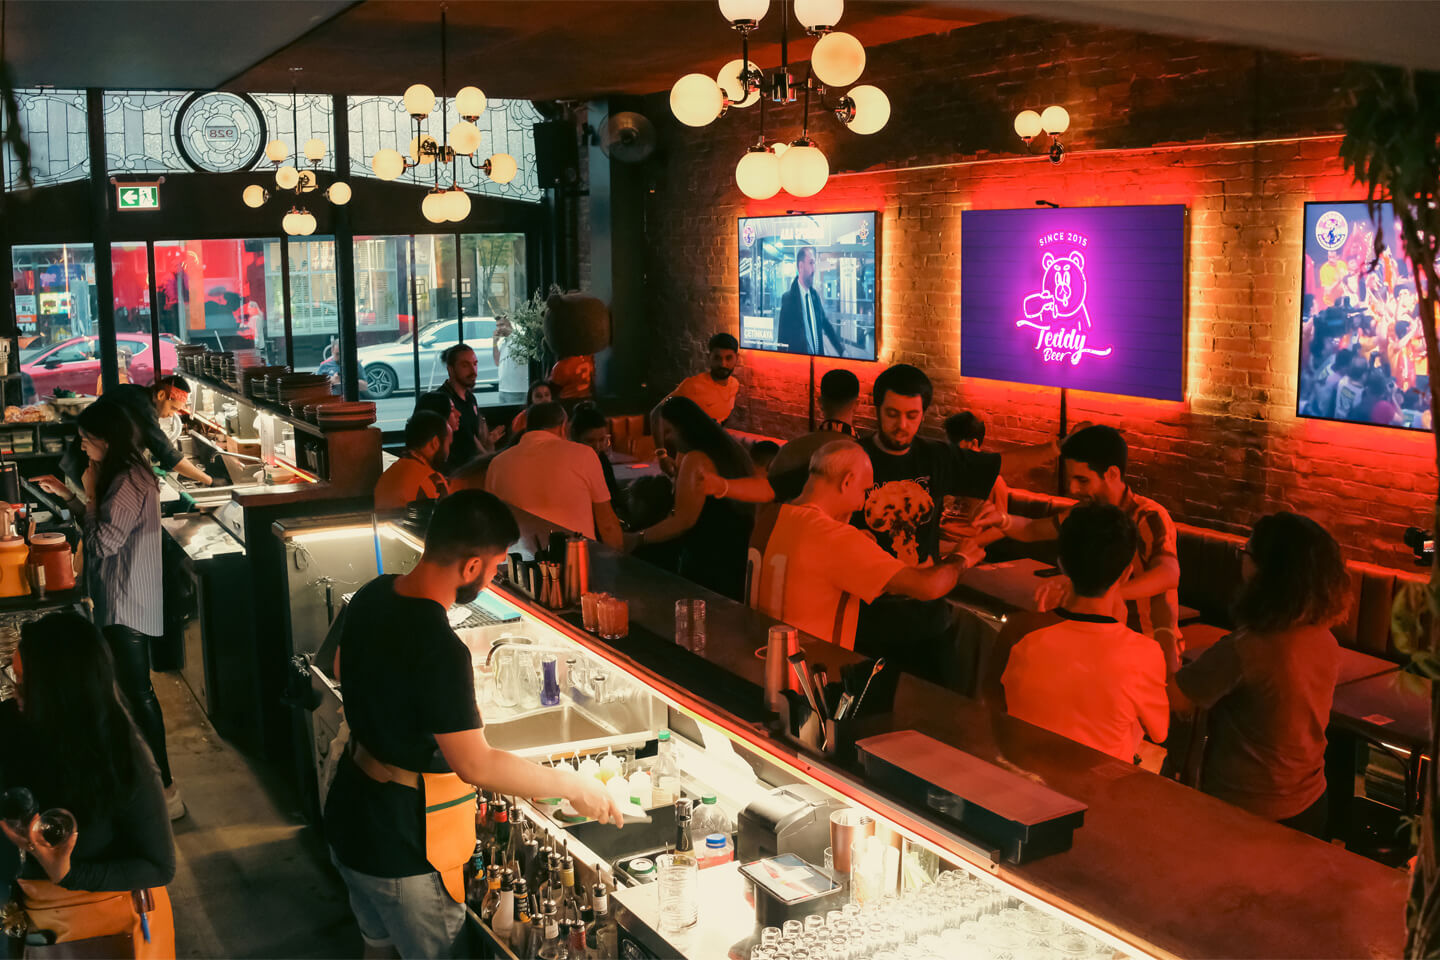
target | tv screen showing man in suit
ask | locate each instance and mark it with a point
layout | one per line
(807, 284)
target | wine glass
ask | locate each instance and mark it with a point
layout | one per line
(18, 808)
(56, 826)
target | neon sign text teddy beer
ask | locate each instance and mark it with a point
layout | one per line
(1057, 313)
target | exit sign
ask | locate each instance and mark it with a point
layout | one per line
(138, 196)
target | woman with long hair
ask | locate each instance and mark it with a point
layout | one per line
(713, 528)
(541, 391)
(122, 565)
(1268, 686)
(73, 746)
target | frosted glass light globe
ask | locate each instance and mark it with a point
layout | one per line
(733, 86)
(465, 138)
(1055, 119)
(433, 206)
(305, 222)
(744, 11)
(287, 177)
(872, 108)
(457, 205)
(778, 148)
(290, 224)
(314, 149)
(758, 174)
(838, 59)
(696, 100)
(419, 100)
(1027, 125)
(470, 102)
(819, 13)
(255, 195)
(387, 164)
(803, 170)
(339, 193)
(277, 150)
(503, 168)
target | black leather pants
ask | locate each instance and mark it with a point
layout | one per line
(131, 652)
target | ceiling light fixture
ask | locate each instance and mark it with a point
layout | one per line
(444, 203)
(1055, 120)
(292, 177)
(837, 60)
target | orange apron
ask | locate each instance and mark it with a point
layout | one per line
(449, 816)
(74, 915)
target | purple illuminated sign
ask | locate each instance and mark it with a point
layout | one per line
(1091, 298)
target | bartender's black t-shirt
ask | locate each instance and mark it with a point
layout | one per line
(405, 676)
(903, 508)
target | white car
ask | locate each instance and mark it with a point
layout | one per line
(389, 368)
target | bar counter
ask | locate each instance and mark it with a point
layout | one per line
(1156, 863)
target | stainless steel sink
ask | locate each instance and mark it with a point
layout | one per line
(554, 730)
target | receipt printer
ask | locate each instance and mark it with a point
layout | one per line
(789, 819)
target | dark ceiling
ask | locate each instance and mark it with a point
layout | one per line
(151, 44)
(558, 49)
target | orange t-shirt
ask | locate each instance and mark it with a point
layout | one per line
(826, 561)
(1093, 680)
(406, 481)
(717, 399)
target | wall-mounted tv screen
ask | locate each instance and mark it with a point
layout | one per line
(1089, 297)
(1362, 353)
(807, 284)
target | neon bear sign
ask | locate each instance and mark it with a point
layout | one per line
(1063, 331)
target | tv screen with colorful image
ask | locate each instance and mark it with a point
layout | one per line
(1362, 352)
(1091, 298)
(807, 284)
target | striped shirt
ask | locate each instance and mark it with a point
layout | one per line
(1157, 539)
(122, 547)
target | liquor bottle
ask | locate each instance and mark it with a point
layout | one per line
(579, 932)
(540, 870)
(602, 939)
(537, 930)
(491, 899)
(552, 948)
(503, 920)
(553, 889)
(570, 903)
(520, 932)
(476, 882)
(684, 845)
(665, 781)
(502, 826)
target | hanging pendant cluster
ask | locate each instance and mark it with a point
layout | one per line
(294, 178)
(444, 203)
(837, 60)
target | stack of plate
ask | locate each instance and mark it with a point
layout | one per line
(243, 360)
(345, 415)
(302, 388)
(252, 379)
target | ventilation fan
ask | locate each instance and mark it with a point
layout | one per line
(628, 137)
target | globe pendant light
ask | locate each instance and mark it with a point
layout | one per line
(1027, 125)
(434, 206)
(287, 177)
(419, 100)
(804, 169)
(758, 173)
(255, 195)
(314, 149)
(387, 164)
(819, 16)
(731, 81)
(339, 193)
(1055, 120)
(868, 109)
(470, 102)
(838, 59)
(276, 151)
(501, 168)
(744, 14)
(465, 138)
(696, 100)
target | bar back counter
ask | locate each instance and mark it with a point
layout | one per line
(1155, 868)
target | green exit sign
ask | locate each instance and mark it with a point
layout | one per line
(136, 196)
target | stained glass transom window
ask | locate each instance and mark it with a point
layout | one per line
(53, 122)
(506, 126)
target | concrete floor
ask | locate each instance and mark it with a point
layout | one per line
(252, 880)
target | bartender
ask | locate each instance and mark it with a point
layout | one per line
(400, 816)
(473, 437)
(147, 407)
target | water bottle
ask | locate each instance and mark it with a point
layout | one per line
(717, 850)
(665, 781)
(710, 818)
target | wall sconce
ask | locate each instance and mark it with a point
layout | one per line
(1054, 121)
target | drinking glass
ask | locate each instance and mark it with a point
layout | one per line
(550, 682)
(507, 679)
(614, 618)
(690, 625)
(770, 936)
(18, 808)
(529, 680)
(792, 929)
(56, 826)
(589, 611)
(867, 871)
(677, 879)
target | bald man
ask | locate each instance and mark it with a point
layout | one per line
(828, 561)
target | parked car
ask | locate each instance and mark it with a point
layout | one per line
(389, 368)
(74, 364)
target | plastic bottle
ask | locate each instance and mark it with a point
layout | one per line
(717, 850)
(641, 788)
(665, 778)
(504, 918)
(710, 818)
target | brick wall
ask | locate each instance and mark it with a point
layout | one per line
(1154, 120)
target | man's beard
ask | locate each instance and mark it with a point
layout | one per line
(469, 591)
(720, 373)
(884, 440)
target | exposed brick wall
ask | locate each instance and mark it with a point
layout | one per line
(1154, 120)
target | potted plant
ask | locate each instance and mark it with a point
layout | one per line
(523, 331)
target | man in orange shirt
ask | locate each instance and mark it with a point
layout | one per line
(417, 474)
(1089, 677)
(714, 391)
(815, 564)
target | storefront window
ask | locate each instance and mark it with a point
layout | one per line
(56, 313)
(134, 350)
(314, 302)
(221, 293)
(493, 283)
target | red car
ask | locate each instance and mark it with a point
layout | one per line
(75, 363)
